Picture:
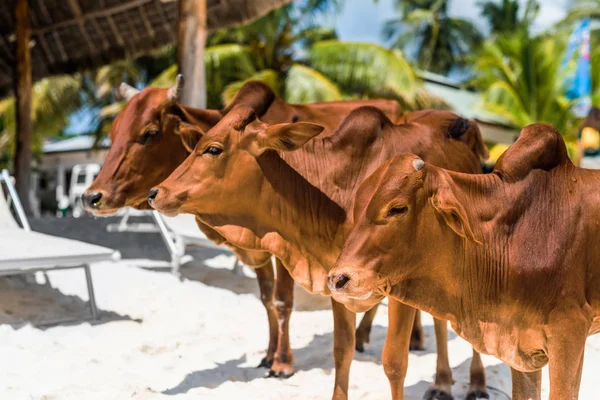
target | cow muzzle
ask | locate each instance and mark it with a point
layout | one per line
(91, 200)
(162, 200)
(349, 285)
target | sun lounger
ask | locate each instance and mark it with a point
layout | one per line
(177, 232)
(23, 251)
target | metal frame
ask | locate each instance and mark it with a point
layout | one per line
(25, 224)
(174, 242)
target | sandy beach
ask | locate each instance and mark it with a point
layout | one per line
(197, 338)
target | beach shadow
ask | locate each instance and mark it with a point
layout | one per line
(497, 377)
(24, 302)
(212, 378)
(225, 278)
(305, 359)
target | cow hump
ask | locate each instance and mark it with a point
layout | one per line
(254, 94)
(361, 128)
(539, 146)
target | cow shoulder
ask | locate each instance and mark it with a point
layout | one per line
(254, 94)
(539, 146)
(361, 128)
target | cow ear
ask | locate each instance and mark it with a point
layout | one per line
(287, 137)
(190, 135)
(446, 203)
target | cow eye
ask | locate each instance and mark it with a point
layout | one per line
(148, 135)
(396, 211)
(213, 150)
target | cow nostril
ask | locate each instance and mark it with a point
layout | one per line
(92, 199)
(341, 281)
(152, 194)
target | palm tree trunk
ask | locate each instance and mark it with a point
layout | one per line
(22, 163)
(191, 41)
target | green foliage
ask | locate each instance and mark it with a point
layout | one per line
(503, 17)
(441, 41)
(583, 9)
(595, 65)
(521, 80)
(365, 69)
(53, 100)
(305, 85)
(305, 62)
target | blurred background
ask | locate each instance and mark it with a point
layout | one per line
(505, 63)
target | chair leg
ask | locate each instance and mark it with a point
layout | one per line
(238, 268)
(88, 278)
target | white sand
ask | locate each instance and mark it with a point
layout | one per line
(163, 338)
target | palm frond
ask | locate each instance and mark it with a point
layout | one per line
(366, 69)
(306, 85)
(267, 76)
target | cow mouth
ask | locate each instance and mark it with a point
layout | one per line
(102, 212)
(363, 296)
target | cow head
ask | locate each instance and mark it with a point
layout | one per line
(223, 174)
(407, 218)
(149, 139)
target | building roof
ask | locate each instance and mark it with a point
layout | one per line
(75, 143)
(464, 102)
(71, 35)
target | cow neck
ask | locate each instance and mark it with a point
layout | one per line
(308, 218)
(451, 288)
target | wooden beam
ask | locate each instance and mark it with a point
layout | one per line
(105, 43)
(164, 21)
(74, 5)
(115, 31)
(192, 33)
(107, 12)
(146, 21)
(23, 103)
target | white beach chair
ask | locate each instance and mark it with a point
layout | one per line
(177, 232)
(23, 251)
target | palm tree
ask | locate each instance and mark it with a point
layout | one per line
(584, 9)
(520, 78)
(440, 42)
(304, 63)
(503, 17)
(53, 100)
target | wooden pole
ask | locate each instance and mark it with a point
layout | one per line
(22, 163)
(191, 40)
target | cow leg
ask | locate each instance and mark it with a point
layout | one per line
(344, 323)
(477, 387)
(364, 329)
(284, 302)
(266, 280)
(417, 337)
(395, 351)
(442, 388)
(566, 346)
(526, 385)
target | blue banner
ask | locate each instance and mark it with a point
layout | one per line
(578, 84)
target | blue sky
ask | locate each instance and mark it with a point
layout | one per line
(362, 20)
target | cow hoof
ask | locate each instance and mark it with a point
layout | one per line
(416, 347)
(265, 363)
(360, 347)
(279, 374)
(437, 394)
(477, 395)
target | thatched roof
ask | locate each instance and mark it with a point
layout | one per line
(70, 35)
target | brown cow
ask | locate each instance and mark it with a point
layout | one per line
(151, 137)
(509, 258)
(293, 202)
